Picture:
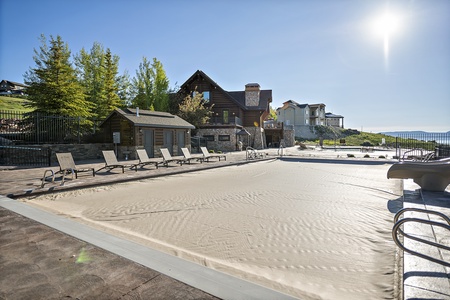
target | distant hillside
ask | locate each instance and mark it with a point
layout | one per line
(421, 133)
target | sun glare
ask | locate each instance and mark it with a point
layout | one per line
(385, 26)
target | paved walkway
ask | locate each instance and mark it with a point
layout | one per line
(40, 262)
(423, 279)
(45, 256)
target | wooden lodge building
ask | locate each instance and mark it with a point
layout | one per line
(130, 129)
(238, 116)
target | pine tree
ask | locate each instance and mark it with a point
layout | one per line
(91, 69)
(98, 74)
(53, 85)
(111, 84)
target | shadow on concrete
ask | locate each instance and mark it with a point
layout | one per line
(395, 205)
(337, 161)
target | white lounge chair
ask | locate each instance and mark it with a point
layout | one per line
(112, 163)
(188, 156)
(430, 176)
(145, 160)
(168, 158)
(207, 155)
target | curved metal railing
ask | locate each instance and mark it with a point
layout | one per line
(412, 150)
(426, 211)
(396, 231)
(44, 178)
(252, 153)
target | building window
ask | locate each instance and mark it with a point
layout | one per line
(224, 138)
(209, 138)
(225, 114)
(206, 96)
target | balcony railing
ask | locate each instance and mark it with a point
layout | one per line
(277, 125)
(218, 120)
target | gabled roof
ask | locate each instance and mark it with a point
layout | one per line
(237, 97)
(317, 105)
(14, 83)
(147, 118)
(331, 115)
(296, 104)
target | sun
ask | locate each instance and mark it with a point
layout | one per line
(386, 25)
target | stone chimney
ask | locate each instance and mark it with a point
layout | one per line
(252, 94)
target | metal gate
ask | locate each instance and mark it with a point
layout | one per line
(22, 134)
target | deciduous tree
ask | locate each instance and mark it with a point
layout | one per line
(193, 110)
(160, 92)
(150, 87)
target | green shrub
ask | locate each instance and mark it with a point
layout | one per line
(367, 144)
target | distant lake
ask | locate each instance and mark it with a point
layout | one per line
(438, 137)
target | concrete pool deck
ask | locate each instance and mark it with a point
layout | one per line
(23, 238)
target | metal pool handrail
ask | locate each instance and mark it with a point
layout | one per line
(396, 230)
(252, 153)
(427, 211)
(413, 150)
(280, 150)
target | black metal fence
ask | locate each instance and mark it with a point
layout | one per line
(20, 128)
(423, 146)
(25, 156)
(18, 131)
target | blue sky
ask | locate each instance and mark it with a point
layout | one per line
(321, 51)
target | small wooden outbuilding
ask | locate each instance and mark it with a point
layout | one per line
(130, 129)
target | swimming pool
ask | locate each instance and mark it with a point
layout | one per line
(309, 229)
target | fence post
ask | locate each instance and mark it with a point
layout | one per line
(49, 154)
(79, 138)
(397, 148)
(37, 127)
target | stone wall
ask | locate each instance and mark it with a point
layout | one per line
(289, 138)
(79, 151)
(256, 139)
(220, 133)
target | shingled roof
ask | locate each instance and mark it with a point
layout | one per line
(147, 118)
(265, 97)
(238, 97)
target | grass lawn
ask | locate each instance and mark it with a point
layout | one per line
(15, 104)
